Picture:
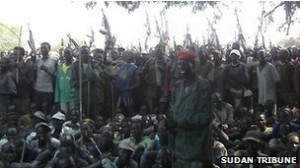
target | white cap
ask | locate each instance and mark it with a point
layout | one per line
(127, 144)
(59, 116)
(235, 51)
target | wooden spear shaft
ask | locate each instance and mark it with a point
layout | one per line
(80, 86)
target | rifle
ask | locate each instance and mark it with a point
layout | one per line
(159, 32)
(109, 39)
(31, 42)
(259, 31)
(92, 38)
(72, 41)
(148, 30)
(241, 38)
(214, 32)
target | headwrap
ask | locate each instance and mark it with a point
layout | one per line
(186, 55)
(237, 52)
(284, 53)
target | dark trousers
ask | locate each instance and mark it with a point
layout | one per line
(44, 101)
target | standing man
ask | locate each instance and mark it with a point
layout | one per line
(24, 81)
(192, 114)
(92, 101)
(267, 79)
(285, 70)
(64, 89)
(7, 87)
(45, 79)
(297, 76)
(236, 79)
(205, 68)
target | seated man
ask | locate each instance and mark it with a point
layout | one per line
(45, 145)
(126, 149)
(223, 111)
(66, 156)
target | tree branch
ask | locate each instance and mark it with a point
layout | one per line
(267, 14)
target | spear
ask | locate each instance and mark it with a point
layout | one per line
(18, 56)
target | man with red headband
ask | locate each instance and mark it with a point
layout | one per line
(191, 108)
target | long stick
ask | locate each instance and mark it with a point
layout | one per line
(80, 86)
(18, 56)
(112, 99)
(23, 152)
(88, 98)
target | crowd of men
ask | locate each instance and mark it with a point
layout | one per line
(182, 108)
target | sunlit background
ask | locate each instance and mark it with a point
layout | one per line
(52, 20)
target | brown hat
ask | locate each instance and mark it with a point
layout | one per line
(40, 115)
(253, 136)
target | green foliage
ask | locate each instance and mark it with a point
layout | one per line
(290, 7)
(9, 37)
(288, 42)
(131, 6)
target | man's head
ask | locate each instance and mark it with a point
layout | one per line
(8, 152)
(186, 63)
(284, 55)
(87, 129)
(284, 115)
(136, 129)
(45, 48)
(274, 53)
(38, 117)
(67, 143)
(105, 140)
(42, 132)
(126, 127)
(186, 68)
(68, 54)
(58, 119)
(143, 109)
(202, 54)
(235, 55)
(4, 64)
(260, 120)
(85, 53)
(11, 133)
(99, 122)
(253, 140)
(262, 57)
(98, 54)
(18, 52)
(74, 116)
(126, 149)
(293, 142)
